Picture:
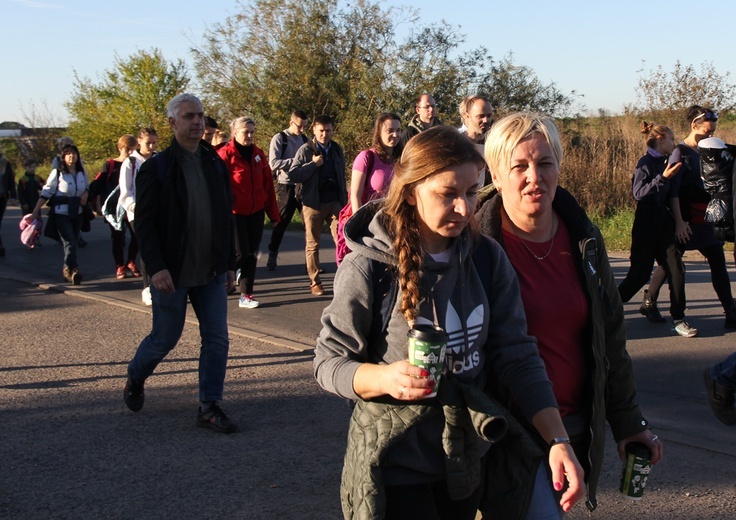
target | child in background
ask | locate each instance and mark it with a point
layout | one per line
(29, 187)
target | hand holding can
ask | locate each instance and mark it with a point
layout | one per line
(637, 466)
(427, 347)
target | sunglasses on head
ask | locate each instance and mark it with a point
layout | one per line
(707, 116)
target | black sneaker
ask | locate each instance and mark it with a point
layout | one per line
(272, 263)
(133, 394)
(216, 419)
(730, 318)
(76, 277)
(721, 400)
(649, 309)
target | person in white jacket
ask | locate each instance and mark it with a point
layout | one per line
(147, 141)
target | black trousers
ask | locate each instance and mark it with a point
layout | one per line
(248, 235)
(286, 198)
(429, 502)
(653, 238)
(118, 244)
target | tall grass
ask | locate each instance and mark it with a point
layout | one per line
(600, 154)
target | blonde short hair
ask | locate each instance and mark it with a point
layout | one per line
(506, 134)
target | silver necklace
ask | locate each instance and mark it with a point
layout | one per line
(523, 242)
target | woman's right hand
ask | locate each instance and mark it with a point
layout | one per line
(401, 380)
(683, 232)
(671, 170)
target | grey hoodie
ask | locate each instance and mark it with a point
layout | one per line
(483, 334)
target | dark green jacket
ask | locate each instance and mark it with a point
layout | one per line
(472, 421)
(613, 391)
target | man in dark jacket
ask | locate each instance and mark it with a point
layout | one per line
(320, 168)
(184, 226)
(426, 108)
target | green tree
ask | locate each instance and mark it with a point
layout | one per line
(343, 59)
(315, 56)
(683, 86)
(511, 87)
(131, 95)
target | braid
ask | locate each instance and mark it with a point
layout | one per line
(406, 240)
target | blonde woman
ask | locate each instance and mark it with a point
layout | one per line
(570, 299)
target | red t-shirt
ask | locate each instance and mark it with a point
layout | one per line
(556, 311)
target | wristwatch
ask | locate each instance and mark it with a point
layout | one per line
(559, 440)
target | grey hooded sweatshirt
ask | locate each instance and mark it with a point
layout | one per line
(485, 336)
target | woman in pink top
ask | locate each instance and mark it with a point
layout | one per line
(372, 172)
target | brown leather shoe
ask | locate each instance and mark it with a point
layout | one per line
(317, 290)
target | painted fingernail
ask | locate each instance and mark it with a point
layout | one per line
(431, 384)
(427, 391)
(558, 486)
(425, 373)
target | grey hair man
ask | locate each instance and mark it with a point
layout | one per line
(183, 222)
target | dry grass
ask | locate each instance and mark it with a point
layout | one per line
(600, 155)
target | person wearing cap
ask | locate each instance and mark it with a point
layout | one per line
(688, 202)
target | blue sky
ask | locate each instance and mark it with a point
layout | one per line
(594, 48)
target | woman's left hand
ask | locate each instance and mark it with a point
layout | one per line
(648, 439)
(83, 198)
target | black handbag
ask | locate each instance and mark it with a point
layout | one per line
(50, 230)
(87, 216)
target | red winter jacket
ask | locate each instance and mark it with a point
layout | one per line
(251, 182)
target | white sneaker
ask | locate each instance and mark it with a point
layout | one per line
(146, 297)
(247, 302)
(683, 329)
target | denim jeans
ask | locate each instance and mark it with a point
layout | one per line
(169, 312)
(724, 372)
(543, 505)
(69, 228)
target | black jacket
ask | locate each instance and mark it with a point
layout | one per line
(161, 211)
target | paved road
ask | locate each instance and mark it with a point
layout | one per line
(71, 450)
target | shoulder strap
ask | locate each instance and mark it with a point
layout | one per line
(385, 294)
(284, 143)
(482, 257)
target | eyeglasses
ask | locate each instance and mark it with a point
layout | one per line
(707, 116)
(300, 127)
(426, 107)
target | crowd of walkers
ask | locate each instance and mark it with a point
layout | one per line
(465, 233)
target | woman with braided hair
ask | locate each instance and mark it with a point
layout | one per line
(418, 259)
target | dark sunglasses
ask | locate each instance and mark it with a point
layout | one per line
(707, 116)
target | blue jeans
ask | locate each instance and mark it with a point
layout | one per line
(543, 505)
(725, 371)
(69, 228)
(169, 312)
